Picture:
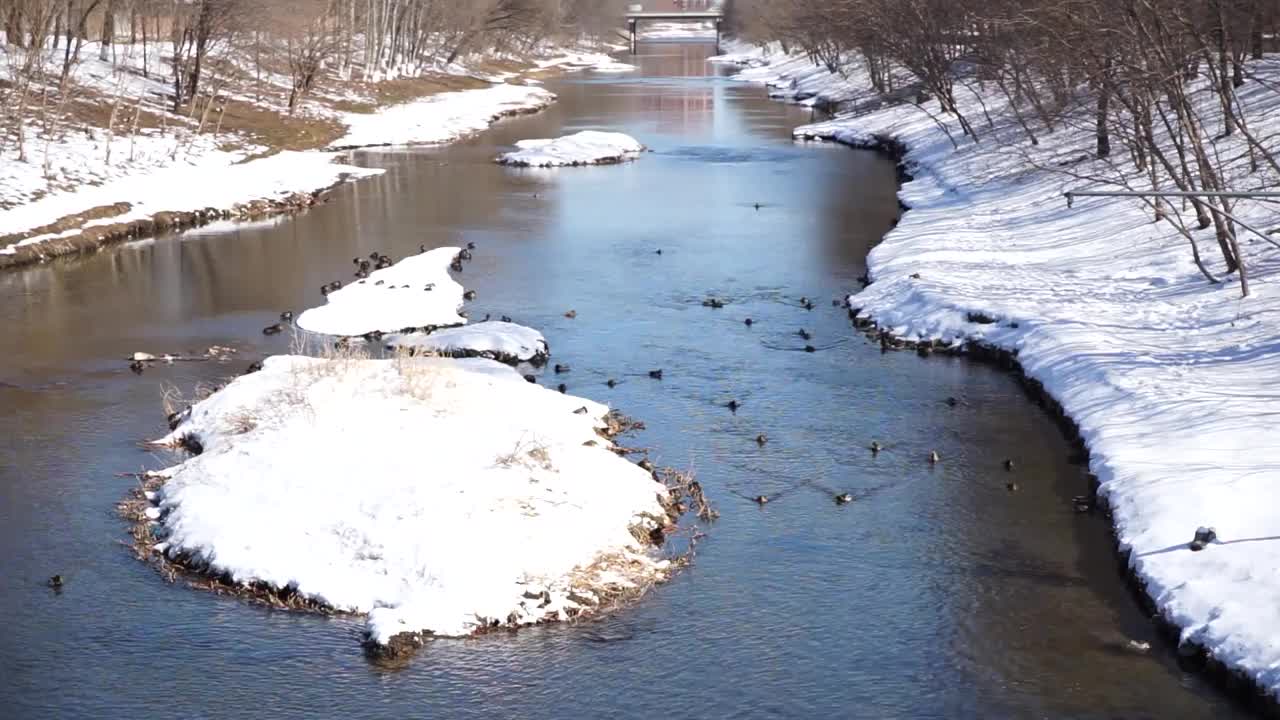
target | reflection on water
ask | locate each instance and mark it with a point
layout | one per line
(938, 594)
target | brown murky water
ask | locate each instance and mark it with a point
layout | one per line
(939, 595)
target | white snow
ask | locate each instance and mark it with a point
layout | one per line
(586, 60)
(441, 118)
(502, 341)
(1170, 379)
(183, 188)
(435, 495)
(677, 30)
(179, 169)
(415, 292)
(589, 147)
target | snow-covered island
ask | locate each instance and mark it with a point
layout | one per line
(589, 147)
(437, 496)
(502, 341)
(1168, 378)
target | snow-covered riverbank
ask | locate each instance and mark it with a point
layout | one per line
(1169, 378)
(77, 191)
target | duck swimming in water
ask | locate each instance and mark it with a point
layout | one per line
(749, 322)
(272, 329)
(732, 405)
(286, 316)
(561, 368)
(934, 457)
(655, 374)
(469, 295)
(612, 383)
(55, 582)
(761, 439)
(843, 498)
(875, 447)
(804, 334)
(760, 499)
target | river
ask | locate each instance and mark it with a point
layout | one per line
(938, 594)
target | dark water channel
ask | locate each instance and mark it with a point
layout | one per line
(940, 594)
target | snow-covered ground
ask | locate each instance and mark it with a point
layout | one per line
(502, 341)
(1170, 379)
(589, 147)
(583, 60)
(435, 495)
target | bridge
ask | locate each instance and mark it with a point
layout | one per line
(635, 18)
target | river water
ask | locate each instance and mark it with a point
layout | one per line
(938, 594)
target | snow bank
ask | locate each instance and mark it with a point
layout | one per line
(585, 60)
(415, 292)
(502, 341)
(1169, 379)
(441, 118)
(220, 185)
(437, 496)
(589, 147)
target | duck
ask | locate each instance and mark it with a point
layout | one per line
(530, 378)
(612, 383)
(571, 314)
(55, 582)
(465, 255)
(505, 318)
(808, 305)
(934, 457)
(748, 322)
(843, 498)
(471, 246)
(760, 499)
(761, 439)
(254, 367)
(561, 368)
(952, 401)
(374, 255)
(805, 334)
(1011, 486)
(137, 366)
(810, 349)
(469, 295)
(875, 447)
(655, 374)
(562, 388)
(286, 316)
(658, 251)
(713, 303)
(272, 329)
(732, 405)
(1008, 464)
(456, 265)
(757, 206)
